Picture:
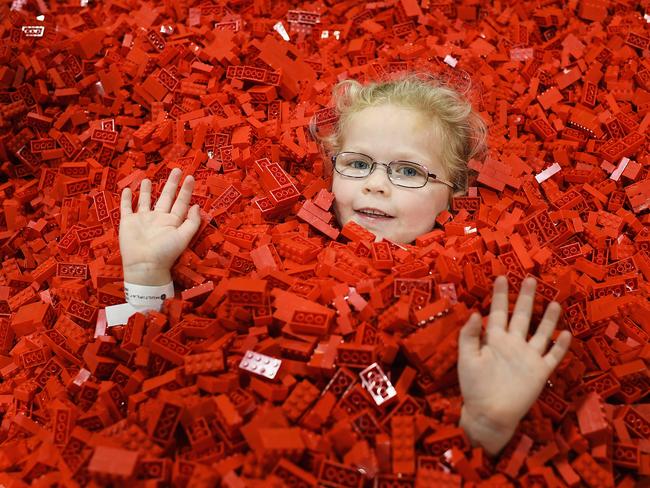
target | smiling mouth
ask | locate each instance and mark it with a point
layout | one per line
(373, 214)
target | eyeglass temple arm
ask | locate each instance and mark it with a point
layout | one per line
(448, 183)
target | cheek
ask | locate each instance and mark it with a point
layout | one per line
(343, 193)
(425, 209)
(341, 200)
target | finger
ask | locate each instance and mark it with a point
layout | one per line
(544, 331)
(469, 339)
(184, 196)
(168, 193)
(125, 203)
(188, 228)
(498, 318)
(559, 350)
(523, 310)
(144, 202)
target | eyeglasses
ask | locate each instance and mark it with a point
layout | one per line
(401, 173)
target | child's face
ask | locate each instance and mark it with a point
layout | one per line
(387, 133)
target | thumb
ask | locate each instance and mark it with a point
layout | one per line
(469, 339)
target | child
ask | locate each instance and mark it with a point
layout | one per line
(425, 128)
(422, 134)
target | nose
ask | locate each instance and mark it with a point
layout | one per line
(378, 180)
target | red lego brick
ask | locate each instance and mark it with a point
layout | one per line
(563, 197)
(169, 349)
(312, 323)
(317, 222)
(591, 419)
(163, 421)
(208, 362)
(403, 444)
(626, 455)
(299, 400)
(244, 240)
(382, 256)
(333, 474)
(272, 176)
(355, 356)
(591, 472)
(324, 199)
(292, 475)
(436, 444)
(227, 414)
(356, 233)
(243, 291)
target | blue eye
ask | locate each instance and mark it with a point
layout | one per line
(353, 164)
(358, 164)
(409, 170)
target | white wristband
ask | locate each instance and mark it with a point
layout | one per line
(148, 296)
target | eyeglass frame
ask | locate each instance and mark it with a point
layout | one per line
(375, 163)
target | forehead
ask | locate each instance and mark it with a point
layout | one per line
(389, 132)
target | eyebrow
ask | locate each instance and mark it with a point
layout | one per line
(403, 156)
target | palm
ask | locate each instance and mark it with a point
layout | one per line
(157, 237)
(150, 237)
(501, 378)
(497, 378)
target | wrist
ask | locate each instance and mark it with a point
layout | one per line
(148, 297)
(147, 275)
(492, 436)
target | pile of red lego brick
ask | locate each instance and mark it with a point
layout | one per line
(297, 353)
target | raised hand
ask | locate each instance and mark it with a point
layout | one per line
(502, 376)
(152, 240)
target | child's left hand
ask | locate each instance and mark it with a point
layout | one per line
(501, 377)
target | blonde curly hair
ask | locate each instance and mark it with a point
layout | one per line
(449, 112)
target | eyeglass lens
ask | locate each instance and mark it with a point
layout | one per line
(402, 173)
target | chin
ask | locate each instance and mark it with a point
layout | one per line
(379, 237)
(403, 239)
(393, 239)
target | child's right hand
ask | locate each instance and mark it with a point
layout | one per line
(152, 240)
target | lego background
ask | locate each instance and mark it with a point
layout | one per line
(96, 96)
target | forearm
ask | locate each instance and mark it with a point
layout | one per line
(482, 431)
